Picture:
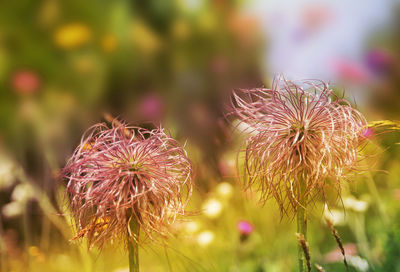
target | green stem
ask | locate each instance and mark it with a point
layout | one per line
(133, 246)
(3, 257)
(301, 215)
(26, 228)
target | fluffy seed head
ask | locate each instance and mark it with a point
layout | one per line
(299, 132)
(126, 173)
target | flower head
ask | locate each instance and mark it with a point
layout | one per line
(299, 132)
(126, 173)
(245, 227)
(72, 35)
(26, 81)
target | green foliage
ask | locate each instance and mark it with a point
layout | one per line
(391, 253)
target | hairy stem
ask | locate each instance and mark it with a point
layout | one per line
(133, 246)
(301, 215)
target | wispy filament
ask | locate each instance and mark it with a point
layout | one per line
(299, 132)
(126, 173)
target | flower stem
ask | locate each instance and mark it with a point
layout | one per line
(301, 214)
(133, 246)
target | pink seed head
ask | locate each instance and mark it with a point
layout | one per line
(122, 173)
(299, 132)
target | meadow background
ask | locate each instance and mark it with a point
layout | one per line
(63, 64)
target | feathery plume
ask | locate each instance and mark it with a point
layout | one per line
(126, 173)
(300, 133)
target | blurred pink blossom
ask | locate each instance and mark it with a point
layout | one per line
(368, 133)
(245, 227)
(378, 60)
(151, 107)
(25, 81)
(316, 16)
(227, 167)
(350, 71)
(336, 255)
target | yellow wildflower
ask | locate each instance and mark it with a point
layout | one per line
(145, 38)
(109, 43)
(72, 35)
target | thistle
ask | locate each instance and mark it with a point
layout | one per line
(304, 140)
(124, 179)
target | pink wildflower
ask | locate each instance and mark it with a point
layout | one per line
(367, 132)
(350, 71)
(378, 61)
(298, 133)
(25, 81)
(337, 256)
(151, 107)
(126, 173)
(245, 227)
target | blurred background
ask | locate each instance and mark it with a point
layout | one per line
(63, 64)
